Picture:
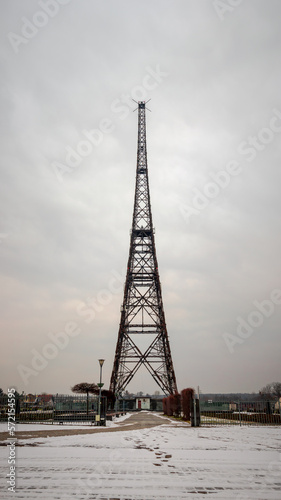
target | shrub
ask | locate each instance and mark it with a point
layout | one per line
(186, 401)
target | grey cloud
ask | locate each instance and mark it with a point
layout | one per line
(64, 239)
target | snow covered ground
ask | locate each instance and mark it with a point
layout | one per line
(43, 426)
(168, 462)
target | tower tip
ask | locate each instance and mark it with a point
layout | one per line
(141, 104)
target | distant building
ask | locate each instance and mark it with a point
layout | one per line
(45, 400)
(278, 405)
(143, 403)
(29, 398)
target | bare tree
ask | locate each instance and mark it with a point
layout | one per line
(271, 391)
(85, 388)
(276, 389)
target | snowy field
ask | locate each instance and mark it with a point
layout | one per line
(168, 462)
(43, 426)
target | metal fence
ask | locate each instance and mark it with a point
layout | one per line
(240, 413)
(82, 409)
(130, 404)
(59, 408)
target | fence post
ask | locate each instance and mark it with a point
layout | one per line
(195, 412)
(239, 414)
(198, 412)
(17, 410)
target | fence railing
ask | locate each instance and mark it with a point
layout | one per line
(59, 408)
(187, 406)
(80, 408)
(240, 413)
(127, 404)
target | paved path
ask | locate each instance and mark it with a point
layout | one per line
(137, 421)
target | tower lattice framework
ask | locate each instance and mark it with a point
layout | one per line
(142, 312)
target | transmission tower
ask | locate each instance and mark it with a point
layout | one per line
(142, 312)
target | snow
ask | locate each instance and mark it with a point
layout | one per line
(169, 462)
(41, 426)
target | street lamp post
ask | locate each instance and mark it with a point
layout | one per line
(100, 385)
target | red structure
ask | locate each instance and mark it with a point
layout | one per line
(142, 338)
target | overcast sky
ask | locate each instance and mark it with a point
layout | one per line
(69, 135)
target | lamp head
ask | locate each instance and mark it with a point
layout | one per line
(101, 361)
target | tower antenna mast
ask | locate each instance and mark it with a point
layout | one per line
(142, 311)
